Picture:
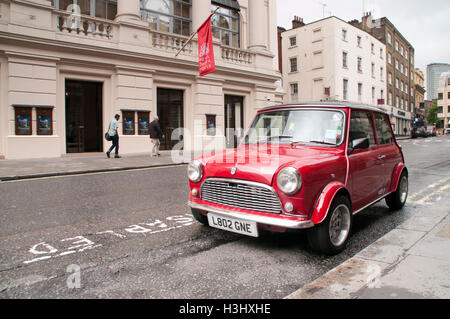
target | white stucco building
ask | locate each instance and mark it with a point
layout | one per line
(332, 60)
(67, 66)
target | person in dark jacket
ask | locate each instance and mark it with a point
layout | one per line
(156, 135)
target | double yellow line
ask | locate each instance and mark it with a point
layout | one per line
(443, 185)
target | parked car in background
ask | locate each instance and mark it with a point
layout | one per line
(304, 166)
(418, 132)
(447, 131)
(431, 131)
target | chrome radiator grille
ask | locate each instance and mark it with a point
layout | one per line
(241, 194)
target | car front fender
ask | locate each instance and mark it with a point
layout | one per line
(398, 170)
(324, 201)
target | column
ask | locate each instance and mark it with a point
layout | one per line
(257, 11)
(201, 9)
(128, 11)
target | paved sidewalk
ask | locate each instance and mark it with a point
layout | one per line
(81, 164)
(410, 262)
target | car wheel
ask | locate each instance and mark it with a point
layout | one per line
(199, 217)
(331, 236)
(397, 199)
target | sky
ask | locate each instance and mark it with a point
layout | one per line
(424, 23)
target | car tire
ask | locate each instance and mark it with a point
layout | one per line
(199, 217)
(397, 199)
(331, 236)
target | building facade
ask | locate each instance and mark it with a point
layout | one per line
(419, 89)
(434, 71)
(444, 101)
(332, 60)
(399, 70)
(68, 66)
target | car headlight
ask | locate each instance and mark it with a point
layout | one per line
(289, 180)
(195, 171)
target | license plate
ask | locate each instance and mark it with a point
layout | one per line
(239, 226)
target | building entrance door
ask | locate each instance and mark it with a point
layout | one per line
(234, 119)
(170, 113)
(83, 116)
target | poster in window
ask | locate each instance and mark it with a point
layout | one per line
(211, 125)
(143, 123)
(23, 120)
(44, 121)
(128, 123)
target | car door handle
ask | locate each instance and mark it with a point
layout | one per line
(381, 157)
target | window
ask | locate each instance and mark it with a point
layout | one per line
(358, 41)
(390, 98)
(344, 60)
(382, 74)
(401, 68)
(294, 92)
(372, 70)
(359, 64)
(383, 129)
(390, 78)
(396, 83)
(397, 102)
(448, 108)
(396, 45)
(172, 16)
(440, 109)
(389, 38)
(373, 95)
(396, 64)
(448, 95)
(361, 127)
(106, 9)
(440, 96)
(381, 54)
(293, 41)
(448, 81)
(360, 88)
(372, 48)
(293, 62)
(344, 35)
(389, 58)
(226, 26)
(345, 90)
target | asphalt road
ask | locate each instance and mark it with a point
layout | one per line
(131, 235)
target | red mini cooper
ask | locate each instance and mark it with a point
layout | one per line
(305, 166)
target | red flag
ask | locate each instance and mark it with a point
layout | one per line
(206, 62)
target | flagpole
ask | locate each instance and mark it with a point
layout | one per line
(193, 34)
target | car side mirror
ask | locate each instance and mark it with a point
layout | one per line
(357, 144)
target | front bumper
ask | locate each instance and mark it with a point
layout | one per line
(275, 220)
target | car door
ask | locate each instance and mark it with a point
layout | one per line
(387, 151)
(364, 167)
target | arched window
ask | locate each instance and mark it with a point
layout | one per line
(172, 16)
(226, 22)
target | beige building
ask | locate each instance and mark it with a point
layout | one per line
(444, 101)
(66, 67)
(330, 59)
(419, 90)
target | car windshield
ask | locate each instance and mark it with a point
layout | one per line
(323, 127)
(430, 127)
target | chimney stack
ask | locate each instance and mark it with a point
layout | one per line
(297, 22)
(366, 21)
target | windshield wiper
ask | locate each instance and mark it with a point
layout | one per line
(274, 137)
(322, 142)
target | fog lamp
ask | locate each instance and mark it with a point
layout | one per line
(288, 207)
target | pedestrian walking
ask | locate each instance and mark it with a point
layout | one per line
(156, 135)
(114, 134)
(405, 130)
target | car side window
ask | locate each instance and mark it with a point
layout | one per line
(383, 130)
(361, 127)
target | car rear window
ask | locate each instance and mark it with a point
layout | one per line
(383, 129)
